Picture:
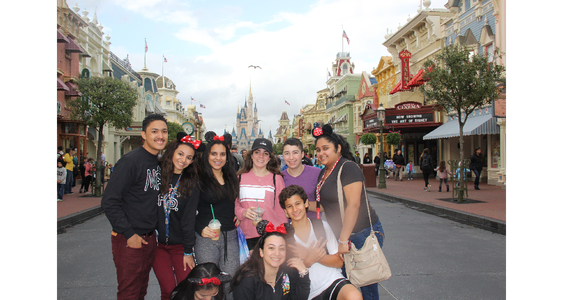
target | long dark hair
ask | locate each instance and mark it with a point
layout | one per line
(254, 266)
(189, 174)
(229, 175)
(186, 289)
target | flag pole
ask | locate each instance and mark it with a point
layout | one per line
(145, 53)
(342, 38)
(163, 71)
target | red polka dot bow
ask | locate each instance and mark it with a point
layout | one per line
(317, 132)
(188, 139)
(221, 138)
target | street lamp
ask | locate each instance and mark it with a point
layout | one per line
(381, 119)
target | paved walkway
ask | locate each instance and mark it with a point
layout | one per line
(486, 210)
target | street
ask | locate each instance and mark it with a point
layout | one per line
(430, 257)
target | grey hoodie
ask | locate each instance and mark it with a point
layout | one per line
(61, 175)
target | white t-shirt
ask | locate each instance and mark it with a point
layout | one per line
(321, 276)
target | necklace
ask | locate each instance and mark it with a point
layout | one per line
(320, 186)
(167, 204)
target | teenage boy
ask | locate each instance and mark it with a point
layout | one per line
(130, 204)
(312, 241)
(298, 173)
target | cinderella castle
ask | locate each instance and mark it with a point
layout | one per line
(247, 128)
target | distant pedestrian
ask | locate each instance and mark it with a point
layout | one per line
(67, 157)
(427, 167)
(238, 161)
(476, 165)
(367, 159)
(88, 174)
(75, 171)
(130, 202)
(377, 162)
(82, 169)
(410, 170)
(357, 158)
(61, 180)
(443, 173)
(399, 162)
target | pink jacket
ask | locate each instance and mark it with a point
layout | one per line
(259, 189)
(443, 175)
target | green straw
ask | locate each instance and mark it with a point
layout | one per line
(212, 211)
(257, 206)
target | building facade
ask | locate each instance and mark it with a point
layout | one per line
(70, 133)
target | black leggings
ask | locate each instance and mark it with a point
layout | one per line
(426, 176)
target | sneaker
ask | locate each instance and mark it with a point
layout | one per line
(425, 190)
(58, 200)
(80, 191)
(429, 186)
(477, 188)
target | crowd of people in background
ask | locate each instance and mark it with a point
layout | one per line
(75, 168)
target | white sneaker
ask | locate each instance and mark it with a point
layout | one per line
(429, 186)
(59, 200)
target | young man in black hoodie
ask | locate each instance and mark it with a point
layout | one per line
(130, 204)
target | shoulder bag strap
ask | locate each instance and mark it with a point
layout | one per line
(341, 197)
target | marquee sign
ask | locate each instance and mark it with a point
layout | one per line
(410, 118)
(408, 105)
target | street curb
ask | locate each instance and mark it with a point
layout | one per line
(495, 226)
(78, 217)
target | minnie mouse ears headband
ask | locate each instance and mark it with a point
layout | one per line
(325, 130)
(211, 136)
(185, 138)
(266, 226)
(215, 280)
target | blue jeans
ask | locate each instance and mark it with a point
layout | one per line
(370, 292)
(477, 176)
(60, 190)
(68, 184)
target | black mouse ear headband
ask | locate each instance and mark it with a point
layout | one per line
(226, 139)
(263, 227)
(216, 280)
(325, 130)
(185, 138)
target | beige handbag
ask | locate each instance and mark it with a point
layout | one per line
(368, 265)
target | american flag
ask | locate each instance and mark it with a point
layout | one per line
(329, 73)
(146, 46)
(344, 35)
(165, 60)
(193, 99)
(201, 105)
(286, 102)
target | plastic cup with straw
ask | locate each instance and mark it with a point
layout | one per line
(259, 213)
(215, 225)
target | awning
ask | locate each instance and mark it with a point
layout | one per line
(72, 46)
(149, 108)
(158, 109)
(484, 124)
(417, 79)
(61, 86)
(61, 38)
(73, 89)
(398, 88)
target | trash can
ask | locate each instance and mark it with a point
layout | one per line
(369, 174)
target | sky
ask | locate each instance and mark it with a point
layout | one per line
(210, 44)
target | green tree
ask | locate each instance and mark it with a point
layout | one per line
(460, 82)
(173, 129)
(104, 101)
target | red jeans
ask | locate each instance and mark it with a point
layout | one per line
(133, 265)
(169, 268)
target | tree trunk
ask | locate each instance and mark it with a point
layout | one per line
(99, 167)
(461, 193)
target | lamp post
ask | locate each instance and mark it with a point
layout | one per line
(381, 119)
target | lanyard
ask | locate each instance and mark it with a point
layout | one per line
(320, 186)
(167, 203)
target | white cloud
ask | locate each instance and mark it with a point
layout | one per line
(294, 59)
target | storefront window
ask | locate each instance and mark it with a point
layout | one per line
(496, 161)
